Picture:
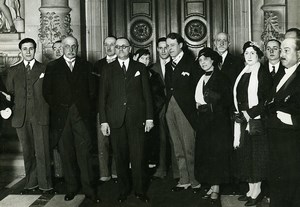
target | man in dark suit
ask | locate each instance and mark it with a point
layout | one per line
(31, 117)
(283, 124)
(68, 89)
(126, 113)
(273, 55)
(181, 79)
(160, 68)
(107, 165)
(231, 65)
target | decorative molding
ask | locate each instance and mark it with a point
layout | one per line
(54, 25)
(141, 30)
(274, 22)
(195, 30)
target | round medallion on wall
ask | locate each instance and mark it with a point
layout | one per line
(195, 30)
(141, 30)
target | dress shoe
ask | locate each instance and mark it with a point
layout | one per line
(93, 198)
(214, 196)
(197, 188)
(49, 192)
(180, 187)
(105, 179)
(122, 198)
(244, 198)
(254, 201)
(143, 197)
(29, 191)
(69, 196)
(115, 180)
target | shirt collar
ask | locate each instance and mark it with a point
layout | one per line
(276, 66)
(68, 59)
(224, 56)
(126, 62)
(31, 63)
(111, 57)
(291, 70)
(178, 57)
(165, 61)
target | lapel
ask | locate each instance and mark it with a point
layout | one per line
(177, 73)
(36, 71)
(157, 68)
(289, 86)
(131, 70)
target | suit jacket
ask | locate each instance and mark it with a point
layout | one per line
(121, 94)
(287, 100)
(181, 83)
(232, 67)
(279, 72)
(16, 86)
(157, 68)
(63, 88)
(157, 87)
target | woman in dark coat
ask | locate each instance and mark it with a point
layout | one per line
(214, 143)
(250, 91)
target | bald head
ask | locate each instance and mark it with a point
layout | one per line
(70, 47)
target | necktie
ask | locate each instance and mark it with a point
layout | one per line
(70, 64)
(124, 68)
(273, 70)
(173, 64)
(28, 67)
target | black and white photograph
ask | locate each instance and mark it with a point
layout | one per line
(149, 103)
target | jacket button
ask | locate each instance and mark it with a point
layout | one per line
(124, 104)
(171, 89)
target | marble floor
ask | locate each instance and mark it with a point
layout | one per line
(12, 182)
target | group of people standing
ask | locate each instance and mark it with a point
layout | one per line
(223, 116)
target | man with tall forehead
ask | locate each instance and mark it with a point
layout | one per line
(273, 56)
(283, 122)
(126, 113)
(107, 165)
(31, 117)
(69, 89)
(231, 65)
(181, 79)
(160, 68)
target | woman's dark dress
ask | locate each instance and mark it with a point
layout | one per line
(214, 140)
(253, 154)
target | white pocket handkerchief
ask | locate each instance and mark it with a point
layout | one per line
(185, 74)
(42, 75)
(137, 73)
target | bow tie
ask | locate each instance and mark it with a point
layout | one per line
(208, 73)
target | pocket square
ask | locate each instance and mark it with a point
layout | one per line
(137, 73)
(185, 74)
(42, 75)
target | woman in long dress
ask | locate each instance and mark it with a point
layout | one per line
(250, 91)
(213, 143)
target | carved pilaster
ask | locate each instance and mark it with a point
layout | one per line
(54, 25)
(274, 22)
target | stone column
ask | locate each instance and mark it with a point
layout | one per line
(54, 24)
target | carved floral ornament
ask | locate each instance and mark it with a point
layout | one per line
(141, 31)
(54, 27)
(195, 30)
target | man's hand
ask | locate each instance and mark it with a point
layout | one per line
(149, 125)
(284, 117)
(105, 129)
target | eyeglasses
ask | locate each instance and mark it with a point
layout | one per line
(123, 47)
(68, 47)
